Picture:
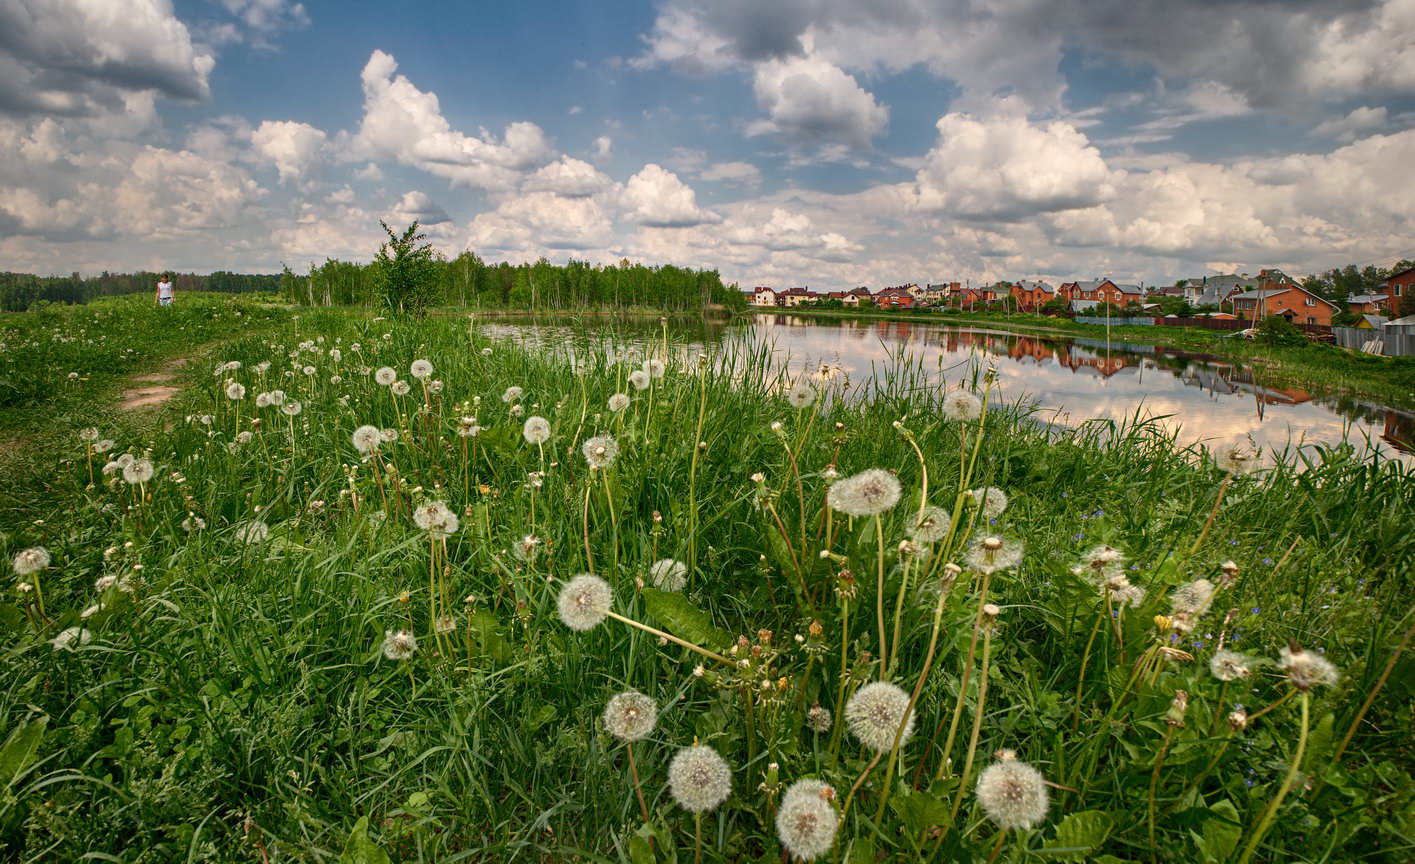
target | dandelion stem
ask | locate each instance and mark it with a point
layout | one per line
(1155, 779)
(693, 472)
(1285, 697)
(1209, 523)
(1271, 810)
(638, 788)
(1371, 696)
(978, 711)
(697, 837)
(1081, 676)
(858, 783)
(879, 591)
(670, 637)
(844, 676)
(996, 847)
(589, 560)
(945, 764)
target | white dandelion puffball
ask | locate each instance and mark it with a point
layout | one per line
(292, 408)
(991, 500)
(800, 395)
(262, 400)
(1238, 457)
(31, 561)
(277, 397)
(1013, 794)
(1192, 599)
(67, 638)
(991, 554)
(253, 532)
(367, 438)
(516, 410)
(640, 379)
(1304, 669)
(104, 446)
(875, 712)
(1230, 665)
(420, 369)
(584, 602)
(88, 435)
(193, 523)
(467, 427)
(244, 437)
(630, 716)
(806, 823)
(618, 402)
(601, 451)
(962, 405)
(399, 644)
(400, 388)
(138, 471)
(699, 779)
(308, 370)
(536, 430)
(655, 368)
(868, 493)
(668, 575)
(511, 394)
(388, 436)
(385, 375)
(931, 525)
(235, 391)
(437, 519)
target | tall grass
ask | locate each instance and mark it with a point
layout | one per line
(234, 703)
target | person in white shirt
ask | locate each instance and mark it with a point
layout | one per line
(165, 290)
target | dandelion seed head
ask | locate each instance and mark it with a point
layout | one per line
(1192, 599)
(819, 720)
(1013, 794)
(30, 561)
(618, 402)
(235, 390)
(367, 438)
(991, 500)
(806, 822)
(193, 523)
(962, 406)
(262, 400)
(400, 388)
(601, 451)
(931, 525)
(875, 712)
(869, 493)
(385, 375)
(420, 369)
(639, 379)
(536, 430)
(993, 553)
(71, 637)
(668, 575)
(252, 532)
(437, 519)
(1306, 669)
(511, 394)
(388, 436)
(399, 644)
(138, 471)
(801, 395)
(699, 779)
(655, 368)
(630, 716)
(292, 408)
(88, 435)
(1238, 457)
(584, 602)
(1229, 666)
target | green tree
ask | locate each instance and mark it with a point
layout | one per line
(405, 272)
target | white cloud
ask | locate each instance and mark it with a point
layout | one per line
(79, 57)
(404, 123)
(418, 206)
(738, 173)
(1346, 129)
(1005, 167)
(295, 149)
(809, 100)
(655, 197)
(603, 149)
(569, 177)
(538, 221)
(268, 16)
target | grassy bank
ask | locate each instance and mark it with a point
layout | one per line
(1388, 380)
(219, 669)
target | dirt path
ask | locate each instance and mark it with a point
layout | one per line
(153, 389)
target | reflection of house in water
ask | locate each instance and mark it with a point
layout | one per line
(1398, 430)
(1215, 377)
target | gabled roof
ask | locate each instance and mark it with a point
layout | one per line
(884, 292)
(798, 292)
(1265, 293)
(760, 288)
(1376, 321)
(1366, 298)
(1128, 289)
(1032, 285)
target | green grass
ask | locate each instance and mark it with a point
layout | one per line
(1332, 370)
(235, 704)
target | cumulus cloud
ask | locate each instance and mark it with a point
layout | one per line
(268, 17)
(418, 206)
(1005, 167)
(80, 57)
(1347, 128)
(532, 222)
(655, 197)
(569, 177)
(809, 100)
(295, 149)
(404, 123)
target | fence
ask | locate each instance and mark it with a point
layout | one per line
(1207, 323)
(1115, 322)
(1389, 341)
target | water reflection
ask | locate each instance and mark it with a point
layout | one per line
(1073, 380)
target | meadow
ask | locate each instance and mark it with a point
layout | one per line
(375, 590)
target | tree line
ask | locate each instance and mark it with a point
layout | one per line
(20, 291)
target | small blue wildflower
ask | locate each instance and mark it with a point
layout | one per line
(1267, 560)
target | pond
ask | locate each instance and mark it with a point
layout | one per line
(1070, 380)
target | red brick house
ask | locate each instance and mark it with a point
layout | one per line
(1398, 288)
(1367, 304)
(1030, 295)
(1289, 300)
(966, 298)
(1101, 291)
(894, 298)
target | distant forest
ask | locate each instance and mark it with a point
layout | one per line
(462, 281)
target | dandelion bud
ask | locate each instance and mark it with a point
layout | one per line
(990, 613)
(702, 445)
(758, 478)
(816, 629)
(1180, 704)
(657, 518)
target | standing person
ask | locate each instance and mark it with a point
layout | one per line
(165, 290)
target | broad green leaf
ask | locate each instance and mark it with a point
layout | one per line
(1078, 835)
(20, 749)
(683, 619)
(1221, 833)
(1320, 743)
(640, 852)
(919, 810)
(359, 849)
(486, 635)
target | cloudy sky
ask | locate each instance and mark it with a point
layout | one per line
(821, 142)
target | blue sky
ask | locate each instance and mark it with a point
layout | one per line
(784, 142)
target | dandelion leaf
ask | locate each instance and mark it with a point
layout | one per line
(1220, 833)
(1320, 743)
(683, 619)
(20, 749)
(640, 852)
(359, 849)
(486, 633)
(919, 810)
(1078, 835)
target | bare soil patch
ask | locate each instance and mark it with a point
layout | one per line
(157, 391)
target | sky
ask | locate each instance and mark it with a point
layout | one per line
(826, 143)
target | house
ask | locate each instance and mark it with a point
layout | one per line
(1101, 291)
(1030, 295)
(764, 296)
(941, 293)
(968, 296)
(793, 297)
(1370, 322)
(1398, 286)
(1210, 290)
(897, 297)
(857, 296)
(1367, 304)
(1287, 299)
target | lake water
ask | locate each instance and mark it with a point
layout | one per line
(1071, 380)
